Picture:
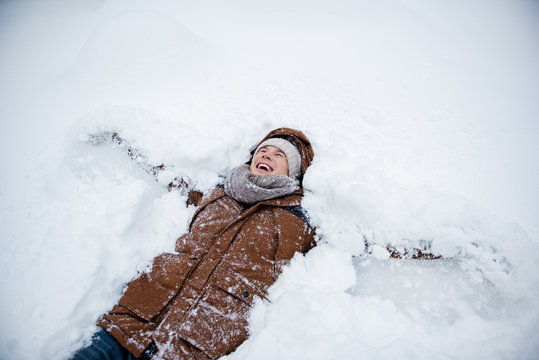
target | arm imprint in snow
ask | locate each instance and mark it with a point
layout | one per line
(413, 253)
(420, 251)
(182, 183)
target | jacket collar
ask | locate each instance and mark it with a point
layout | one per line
(293, 199)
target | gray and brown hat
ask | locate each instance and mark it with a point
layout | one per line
(296, 146)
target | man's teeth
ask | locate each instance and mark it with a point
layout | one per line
(264, 167)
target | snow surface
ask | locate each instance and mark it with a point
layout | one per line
(423, 116)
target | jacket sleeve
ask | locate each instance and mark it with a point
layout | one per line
(194, 197)
(293, 235)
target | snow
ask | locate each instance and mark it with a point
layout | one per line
(423, 117)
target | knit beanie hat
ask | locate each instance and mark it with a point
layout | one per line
(291, 152)
(296, 138)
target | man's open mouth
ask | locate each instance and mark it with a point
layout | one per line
(264, 166)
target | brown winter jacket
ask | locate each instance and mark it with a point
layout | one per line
(194, 303)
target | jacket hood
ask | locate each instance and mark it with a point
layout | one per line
(298, 139)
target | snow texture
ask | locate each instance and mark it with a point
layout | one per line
(423, 117)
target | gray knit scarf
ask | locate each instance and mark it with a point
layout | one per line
(250, 189)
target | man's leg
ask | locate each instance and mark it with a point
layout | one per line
(103, 347)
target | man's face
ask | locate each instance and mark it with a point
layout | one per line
(269, 160)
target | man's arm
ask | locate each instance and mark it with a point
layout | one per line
(181, 184)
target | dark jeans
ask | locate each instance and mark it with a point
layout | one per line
(105, 347)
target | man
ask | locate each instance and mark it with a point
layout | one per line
(194, 304)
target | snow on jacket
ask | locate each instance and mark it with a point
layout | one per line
(194, 304)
